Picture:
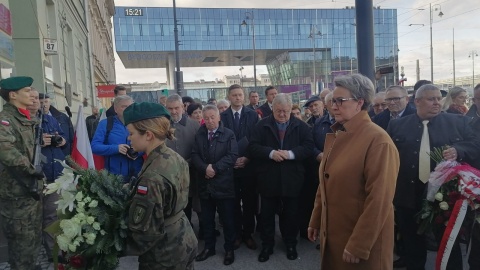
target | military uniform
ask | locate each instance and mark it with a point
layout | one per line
(22, 215)
(159, 231)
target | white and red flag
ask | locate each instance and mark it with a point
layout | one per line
(81, 150)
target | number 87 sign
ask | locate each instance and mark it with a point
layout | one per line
(50, 46)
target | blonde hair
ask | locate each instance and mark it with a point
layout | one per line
(160, 127)
(452, 94)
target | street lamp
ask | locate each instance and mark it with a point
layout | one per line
(472, 54)
(249, 16)
(241, 76)
(436, 7)
(313, 34)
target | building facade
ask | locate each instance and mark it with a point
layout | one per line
(103, 55)
(299, 46)
(7, 56)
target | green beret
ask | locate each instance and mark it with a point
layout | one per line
(144, 110)
(15, 83)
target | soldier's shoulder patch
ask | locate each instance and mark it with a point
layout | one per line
(138, 214)
(5, 123)
(142, 190)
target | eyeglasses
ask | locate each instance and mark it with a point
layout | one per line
(394, 99)
(339, 101)
(383, 105)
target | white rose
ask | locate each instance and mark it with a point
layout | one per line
(79, 196)
(90, 238)
(93, 204)
(102, 232)
(439, 196)
(444, 206)
(90, 220)
(63, 242)
(72, 248)
(96, 226)
(70, 228)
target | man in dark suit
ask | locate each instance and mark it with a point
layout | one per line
(396, 98)
(119, 90)
(242, 120)
(415, 135)
(279, 146)
(253, 98)
(270, 94)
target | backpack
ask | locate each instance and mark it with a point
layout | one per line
(109, 128)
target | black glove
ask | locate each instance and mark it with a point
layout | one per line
(38, 174)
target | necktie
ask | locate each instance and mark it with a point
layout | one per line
(210, 136)
(424, 157)
(236, 121)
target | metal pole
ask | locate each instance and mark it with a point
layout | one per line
(314, 60)
(365, 40)
(431, 44)
(178, 75)
(254, 64)
(454, 83)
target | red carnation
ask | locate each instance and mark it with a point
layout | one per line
(61, 267)
(77, 261)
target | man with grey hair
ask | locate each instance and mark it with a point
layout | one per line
(279, 146)
(185, 130)
(415, 136)
(396, 98)
(214, 155)
(378, 104)
(111, 142)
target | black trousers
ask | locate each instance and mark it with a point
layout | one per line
(474, 258)
(245, 206)
(287, 209)
(226, 210)
(415, 248)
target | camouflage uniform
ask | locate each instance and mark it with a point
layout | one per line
(160, 233)
(22, 215)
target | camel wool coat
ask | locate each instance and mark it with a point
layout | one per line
(354, 203)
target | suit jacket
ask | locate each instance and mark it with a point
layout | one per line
(248, 120)
(265, 109)
(221, 152)
(444, 129)
(382, 119)
(280, 178)
(252, 107)
(320, 129)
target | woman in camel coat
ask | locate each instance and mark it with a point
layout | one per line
(353, 212)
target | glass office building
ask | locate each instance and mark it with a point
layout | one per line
(298, 46)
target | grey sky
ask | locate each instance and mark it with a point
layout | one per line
(414, 41)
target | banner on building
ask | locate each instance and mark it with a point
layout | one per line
(105, 91)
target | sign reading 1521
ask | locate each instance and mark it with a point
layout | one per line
(50, 46)
(133, 12)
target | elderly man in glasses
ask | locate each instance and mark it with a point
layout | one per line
(396, 98)
(378, 104)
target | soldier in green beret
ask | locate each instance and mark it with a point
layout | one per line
(159, 231)
(21, 214)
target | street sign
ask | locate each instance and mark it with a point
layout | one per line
(50, 46)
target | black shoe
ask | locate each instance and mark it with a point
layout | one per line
(399, 263)
(229, 258)
(250, 243)
(292, 253)
(265, 254)
(204, 255)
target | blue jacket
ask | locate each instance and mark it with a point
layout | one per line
(115, 162)
(67, 127)
(320, 130)
(52, 169)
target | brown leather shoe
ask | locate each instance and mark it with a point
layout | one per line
(237, 243)
(250, 243)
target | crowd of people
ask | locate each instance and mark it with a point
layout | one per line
(347, 169)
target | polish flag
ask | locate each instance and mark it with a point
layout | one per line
(82, 151)
(100, 160)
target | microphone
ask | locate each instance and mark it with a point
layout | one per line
(68, 111)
